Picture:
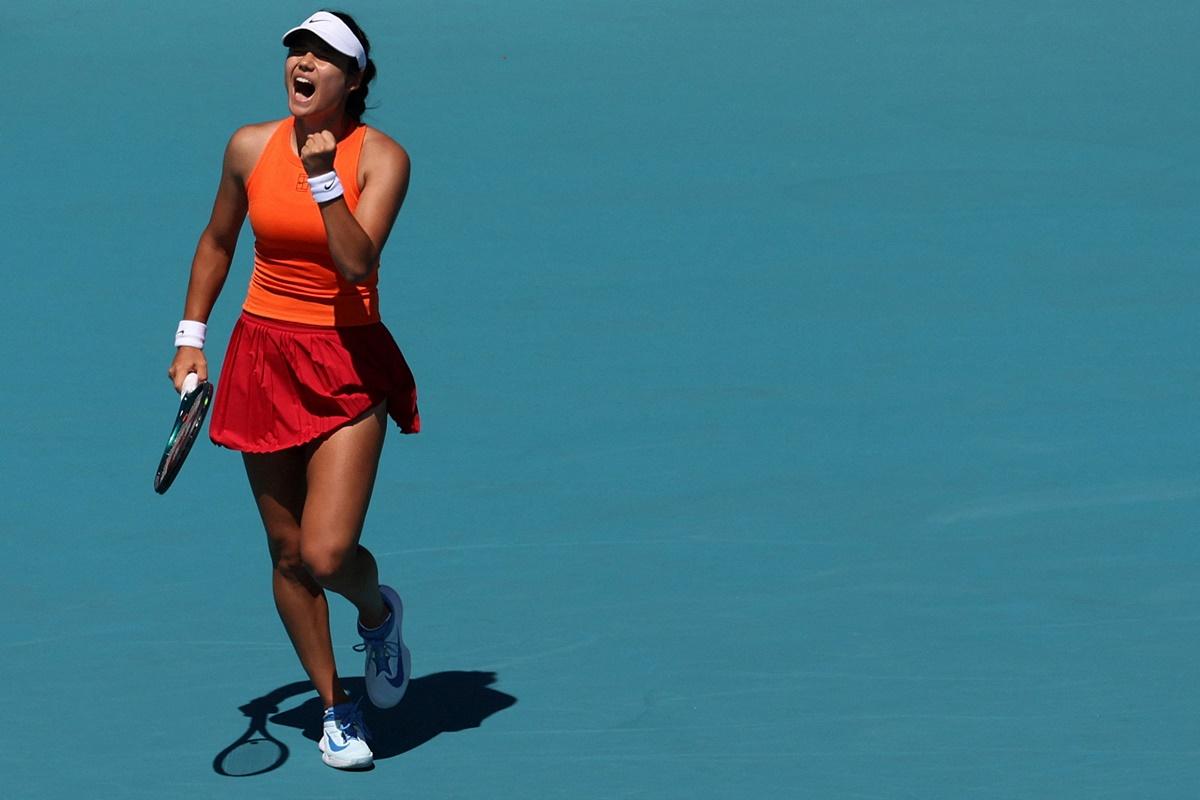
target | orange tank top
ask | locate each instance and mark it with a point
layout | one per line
(294, 278)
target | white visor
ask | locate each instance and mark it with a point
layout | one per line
(333, 32)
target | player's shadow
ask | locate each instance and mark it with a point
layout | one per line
(439, 703)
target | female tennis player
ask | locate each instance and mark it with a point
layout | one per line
(311, 374)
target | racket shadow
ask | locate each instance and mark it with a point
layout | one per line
(257, 751)
(444, 702)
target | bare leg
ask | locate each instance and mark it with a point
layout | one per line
(340, 476)
(278, 483)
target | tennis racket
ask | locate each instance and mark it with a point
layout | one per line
(193, 407)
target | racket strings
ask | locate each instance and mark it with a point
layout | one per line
(188, 422)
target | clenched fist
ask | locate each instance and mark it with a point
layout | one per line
(318, 152)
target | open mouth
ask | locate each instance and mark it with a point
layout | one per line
(303, 87)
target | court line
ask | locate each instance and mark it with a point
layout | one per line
(584, 543)
(1016, 505)
(149, 642)
(566, 648)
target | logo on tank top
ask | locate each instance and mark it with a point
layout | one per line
(302, 183)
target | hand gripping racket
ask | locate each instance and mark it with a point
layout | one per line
(193, 407)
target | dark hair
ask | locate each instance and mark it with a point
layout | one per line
(356, 104)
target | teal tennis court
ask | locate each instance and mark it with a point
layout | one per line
(808, 396)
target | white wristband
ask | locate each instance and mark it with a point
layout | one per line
(325, 187)
(190, 333)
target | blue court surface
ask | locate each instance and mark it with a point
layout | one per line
(809, 395)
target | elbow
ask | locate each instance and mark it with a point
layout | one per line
(217, 244)
(359, 273)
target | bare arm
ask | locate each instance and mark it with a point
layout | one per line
(356, 240)
(214, 252)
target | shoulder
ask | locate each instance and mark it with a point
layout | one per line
(382, 153)
(247, 144)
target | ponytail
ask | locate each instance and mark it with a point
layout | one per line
(356, 104)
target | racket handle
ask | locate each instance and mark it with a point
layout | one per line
(189, 384)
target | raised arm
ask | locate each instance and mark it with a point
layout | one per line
(356, 240)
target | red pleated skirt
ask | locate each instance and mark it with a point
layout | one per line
(285, 384)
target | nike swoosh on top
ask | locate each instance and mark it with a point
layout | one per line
(398, 680)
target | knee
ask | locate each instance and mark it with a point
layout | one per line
(287, 562)
(285, 556)
(325, 562)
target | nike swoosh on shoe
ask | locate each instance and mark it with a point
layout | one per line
(398, 680)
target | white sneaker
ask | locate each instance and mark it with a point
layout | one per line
(388, 660)
(343, 743)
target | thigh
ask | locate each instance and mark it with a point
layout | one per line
(278, 481)
(340, 477)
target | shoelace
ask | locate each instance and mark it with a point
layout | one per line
(352, 725)
(381, 651)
